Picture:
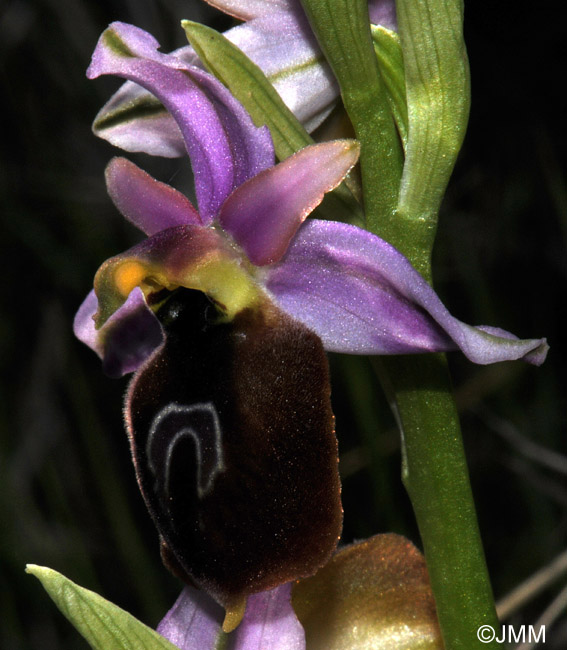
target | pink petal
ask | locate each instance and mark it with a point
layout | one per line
(264, 214)
(150, 205)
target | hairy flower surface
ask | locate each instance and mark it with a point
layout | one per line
(223, 312)
(275, 35)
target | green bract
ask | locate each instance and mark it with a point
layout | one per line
(104, 625)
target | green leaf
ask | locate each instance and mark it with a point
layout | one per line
(391, 64)
(104, 625)
(342, 28)
(438, 96)
(252, 88)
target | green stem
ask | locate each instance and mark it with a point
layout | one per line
(434, 465)
(343, 30)
(437, 92)
(436, 477)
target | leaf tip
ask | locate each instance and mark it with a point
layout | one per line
(192, 28)
(36, 570)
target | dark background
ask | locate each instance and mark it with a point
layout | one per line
(68, 499)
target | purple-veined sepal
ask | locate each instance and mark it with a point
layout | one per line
(362, 296)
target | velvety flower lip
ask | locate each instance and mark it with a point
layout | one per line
(277, 37)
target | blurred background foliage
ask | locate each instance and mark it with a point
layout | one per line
(68, 498)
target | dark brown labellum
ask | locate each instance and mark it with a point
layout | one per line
(232, 437)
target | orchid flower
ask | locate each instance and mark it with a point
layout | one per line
(276, 36)
(223, 313)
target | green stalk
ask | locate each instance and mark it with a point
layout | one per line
(434, 465)
(438, 98)
(346, 41)
(435, 474)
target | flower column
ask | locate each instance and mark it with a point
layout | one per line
(437, 91)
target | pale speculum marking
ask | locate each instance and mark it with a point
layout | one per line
(174, 424)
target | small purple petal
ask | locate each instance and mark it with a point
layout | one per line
(194, 622)
(383, 12)
(225, 147)
(361, 295)
(127, 338)
(150, 205)
(264, 214)
(270, 622)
